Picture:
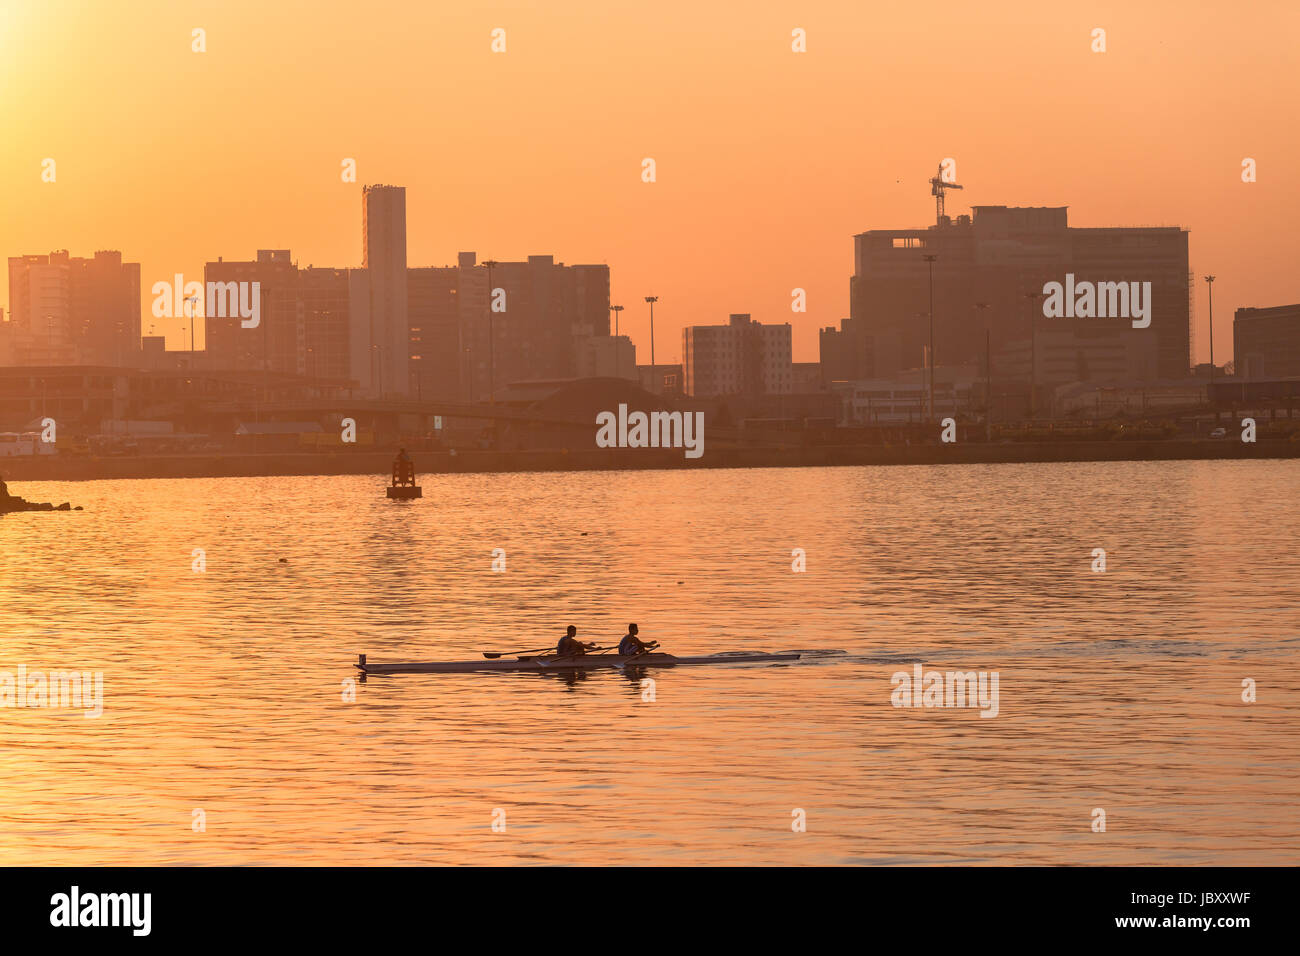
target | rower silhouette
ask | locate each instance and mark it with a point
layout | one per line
(570, 646)
(631, 644)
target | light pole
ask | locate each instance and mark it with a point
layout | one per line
(45, 379)
(988, 375)
(930, 260)
(1209, 288)
(492, 373)
(652, 299)
(189, 303)
(618, 368)
(1033, 299)
(469, 362)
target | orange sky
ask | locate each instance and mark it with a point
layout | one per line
(768, 161)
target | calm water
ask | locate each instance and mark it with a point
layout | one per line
(223, 691)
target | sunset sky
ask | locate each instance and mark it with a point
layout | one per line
(768, 161)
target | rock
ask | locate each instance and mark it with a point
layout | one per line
(13, 504)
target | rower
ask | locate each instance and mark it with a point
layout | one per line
(570, 646)
(632, 645)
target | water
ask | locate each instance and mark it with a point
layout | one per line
(223, 690)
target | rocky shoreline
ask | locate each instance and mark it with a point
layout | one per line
(12, 504)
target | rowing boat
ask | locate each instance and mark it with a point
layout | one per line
(554, 663)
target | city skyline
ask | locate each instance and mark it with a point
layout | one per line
(510, 187)
(578, 436)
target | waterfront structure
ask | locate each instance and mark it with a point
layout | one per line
(1266, 342)
(434, 313)
(743, 357)
(990, 264)
(383, 256)
(530, 323)
(324, 301)
(69, 310)
(845, 353)
(277, 342)
(904, 398)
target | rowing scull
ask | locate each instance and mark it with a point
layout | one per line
(553, 663)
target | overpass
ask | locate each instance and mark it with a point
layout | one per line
(310, 408)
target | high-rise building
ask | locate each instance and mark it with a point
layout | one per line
(7, 356)
(278, 341)
(325, 303)
(845, 353)
(984, 270)
(1266, 342)
(544, 309)
(68, 310)
(383, 256)
(743, 357)
(303, 325)
(433, 307)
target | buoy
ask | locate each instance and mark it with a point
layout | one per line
(404, 487)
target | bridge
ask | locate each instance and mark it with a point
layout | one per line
(299, 409)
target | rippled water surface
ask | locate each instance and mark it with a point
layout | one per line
(224, 690)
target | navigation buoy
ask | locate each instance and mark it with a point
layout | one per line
(404, 487)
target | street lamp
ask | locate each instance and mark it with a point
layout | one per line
(930, 260)
(652, 299)
(988, 374)
(469, 363)
(492, 374)
(1033, 298)
(1209, 287)
(616, 309)
(189, 305)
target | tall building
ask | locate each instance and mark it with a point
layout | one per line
(7, 356)
(546, 309)
(844, 353)
(994, 259)
(383, 256)
(325, 304)
(1266, 342)
(433, 307)
(68, 310)
(743, 357)
(278, 342)
(303, 326)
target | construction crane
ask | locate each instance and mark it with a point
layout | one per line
(937, 185)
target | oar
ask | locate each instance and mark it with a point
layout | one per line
(493, 655)
(649, 648)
